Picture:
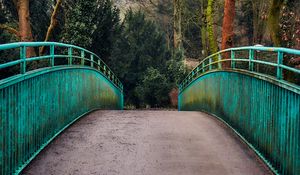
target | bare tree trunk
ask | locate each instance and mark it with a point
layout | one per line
(24, 24)
(213, 45)
(259, 9)
(227, 29)
(274, 20)
(256, 38)
(203, 28)
(177, 24)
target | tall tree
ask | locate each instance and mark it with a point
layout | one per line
(190, 28)
(23, 12)
(79, 25)
(203, 25)
(227, 30)
(108, 29)
(25, 31)
(93, 24)
(213, 45)
(177, 15)
(274, 21)
(53, 23)
(142, 45)
(259, 11)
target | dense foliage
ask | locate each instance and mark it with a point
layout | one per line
(136, 48)
(146, 42)
(94, 25)
(144, 63)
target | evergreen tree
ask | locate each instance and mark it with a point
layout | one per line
(140, 55)
(79, 25)
(108, 29)
(153, 88)
(93, 25)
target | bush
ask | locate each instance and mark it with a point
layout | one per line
(153, 89)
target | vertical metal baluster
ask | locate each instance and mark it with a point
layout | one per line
(92, 60)
(251, 58)
(52, 53)
(82, 57)
(23, 59)
(279, 63)
(193, 74)
(203, 70)
(219, 61)
(99, 64)
(210, 61)
(104, 70)
(232, 59)
(70, 55)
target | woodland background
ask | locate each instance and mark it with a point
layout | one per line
(150, 44)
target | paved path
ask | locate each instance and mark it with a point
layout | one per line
(146, 143)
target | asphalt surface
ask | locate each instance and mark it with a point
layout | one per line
(147, 143)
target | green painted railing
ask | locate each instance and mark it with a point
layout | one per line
(37, 105)
(83, 55)
(264, 110)
(214, 62)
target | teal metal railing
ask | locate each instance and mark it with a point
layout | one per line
(214, 62)
(93, 60)
(37, 105)
(262, 107)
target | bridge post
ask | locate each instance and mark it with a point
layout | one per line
(203, 70)
(210, 61)
(104, 70)
(279, 63)
(70, 55)
(23, 58)
(92, 60)
(232, 59)
(99, 65)
(52, 53)
(219, 61)
(251, 58)
(82, 57)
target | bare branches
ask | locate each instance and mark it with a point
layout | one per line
(52, 25)
(10, 30)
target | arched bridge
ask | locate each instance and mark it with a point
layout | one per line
(249, 124)
(254, 98)
(37, 105)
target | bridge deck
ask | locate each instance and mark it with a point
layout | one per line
(147, 142)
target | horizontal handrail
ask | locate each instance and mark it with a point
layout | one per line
(94, 60)
(216, 59)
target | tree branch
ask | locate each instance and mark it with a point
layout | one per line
(52, 25)
(10, 30)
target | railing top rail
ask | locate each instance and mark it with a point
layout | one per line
(278, 50)
(9, 46)
(268, 49)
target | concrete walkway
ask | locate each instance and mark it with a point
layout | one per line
(147, 143)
